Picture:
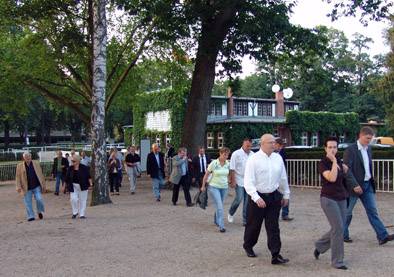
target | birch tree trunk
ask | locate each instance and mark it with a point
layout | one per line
(100, 189)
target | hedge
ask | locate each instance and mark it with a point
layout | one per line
(325, 123)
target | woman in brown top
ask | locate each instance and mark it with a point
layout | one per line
(333, 202)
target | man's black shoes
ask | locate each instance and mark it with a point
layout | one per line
(250, 253)
(316, 253)
(388, 238)
(40, 216)
(279, 260)
(348, 240)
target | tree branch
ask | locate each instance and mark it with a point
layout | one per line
(125, 46)
(127, 70)
(76, 91)
(77, 108)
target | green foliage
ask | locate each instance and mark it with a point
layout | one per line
(326, 123)
(234, 133)
(172, 100)
(318, 153)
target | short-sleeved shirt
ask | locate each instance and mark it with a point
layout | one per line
(333, 190)
(238, 163)
(219, 174)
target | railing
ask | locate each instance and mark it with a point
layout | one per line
(305, 173)
(7, 170)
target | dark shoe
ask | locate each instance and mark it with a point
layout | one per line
(344, 267)
(82, 217)
(74, 216)
(117, 193)
(279, 260)
(386, 239)
(286, 218)
(132, 192)
(40, 216)
(189, 204)
(316, 254)
(157, 199)
(348, 240)
(31, 219)
(56, 193)
(174, 203)
(222, 230)
(250, 253)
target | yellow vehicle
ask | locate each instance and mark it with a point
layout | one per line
(383, 141)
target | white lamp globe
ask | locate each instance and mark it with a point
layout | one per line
(275, 88)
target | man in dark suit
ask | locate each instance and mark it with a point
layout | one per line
(361, 185)
(280, 149)
(155, 168)
(200, 164)
(59, 170)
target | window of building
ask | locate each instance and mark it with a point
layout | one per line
(158, 140)
(210, 139)
(220, 140)
(168, 138)
(215, 108)
(264, 109)
(342, 138)
(315, 139)
(289, 107)
(241, 108)
(304, 138)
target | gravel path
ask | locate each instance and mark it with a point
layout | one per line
(136, 236)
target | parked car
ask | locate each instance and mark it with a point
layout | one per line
(344, 145)
(382, 141)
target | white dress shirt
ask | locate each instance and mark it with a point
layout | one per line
(265, 174)
(364, 154)
(238, 163)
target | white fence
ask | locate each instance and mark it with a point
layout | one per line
(305, 173)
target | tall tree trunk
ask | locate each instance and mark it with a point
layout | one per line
(6, 134)
(100, 190)
(213, 33)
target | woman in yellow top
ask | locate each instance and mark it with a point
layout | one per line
(218, 185)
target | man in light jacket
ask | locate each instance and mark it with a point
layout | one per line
(179, 176)
(29, 181)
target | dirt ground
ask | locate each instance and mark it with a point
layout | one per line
(137, 236)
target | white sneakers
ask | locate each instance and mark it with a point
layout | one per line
(230, 218)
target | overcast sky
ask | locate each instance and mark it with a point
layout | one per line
(310, 13)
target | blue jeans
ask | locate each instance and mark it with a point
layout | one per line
(59, 178)
(285, 211)
(27, 199)
(240, 194)
(369, 202)
(218, 196)
(157, 183)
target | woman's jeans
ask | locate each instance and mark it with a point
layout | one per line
(27, 199)
(218, 196)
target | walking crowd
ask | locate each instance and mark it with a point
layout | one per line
(259, 180)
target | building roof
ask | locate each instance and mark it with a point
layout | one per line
(252, 99)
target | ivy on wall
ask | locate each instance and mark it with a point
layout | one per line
(325, 123)
(234, 133)
(172, 100)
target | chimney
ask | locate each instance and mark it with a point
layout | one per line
(280, 104)
(230, 102)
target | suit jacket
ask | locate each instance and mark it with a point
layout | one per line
(83, 176)
(196, 166)
(64, 169)
(21, 176)
(176, 173)
(354, 160)
(152, 168)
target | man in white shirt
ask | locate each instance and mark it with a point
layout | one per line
(237, 170)
(265, 181)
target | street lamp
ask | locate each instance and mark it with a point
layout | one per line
(287, 92)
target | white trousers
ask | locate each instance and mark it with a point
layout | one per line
(132, 173)
(78, 200)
